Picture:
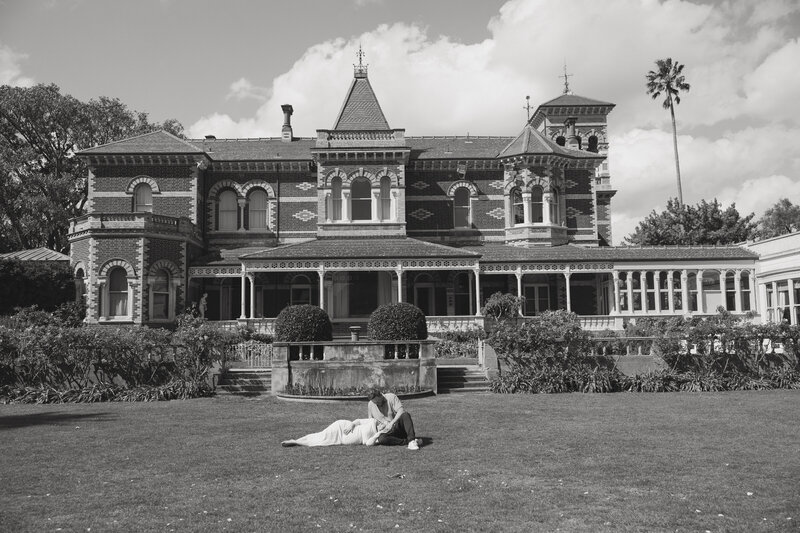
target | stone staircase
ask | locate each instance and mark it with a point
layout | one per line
(248, 382)
(461, 378)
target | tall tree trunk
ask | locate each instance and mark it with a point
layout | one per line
(675, 145)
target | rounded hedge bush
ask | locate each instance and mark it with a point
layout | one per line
(303, 323)
(398, 322)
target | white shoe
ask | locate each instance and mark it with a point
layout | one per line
(413, 445)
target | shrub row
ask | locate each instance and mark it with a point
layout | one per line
(55, 363)
(553, 354)
(26, 283)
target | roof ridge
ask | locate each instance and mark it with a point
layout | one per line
(251, 139)
(282, 247)
(126, 139)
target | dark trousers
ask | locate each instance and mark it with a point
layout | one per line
(401, 434)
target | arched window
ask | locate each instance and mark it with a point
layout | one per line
(257, 206)
(555, 216)
(745, 287)
(461, 208)
(228, 211)
(518, 208)
(117, 293)
(336, 198)
(386, 198)
(160, 307)
(592, 144)
(301, 290)
(560, 140)
(80, 285)
(536, 205)
(730, 290)
(143, 198)
(361, 201)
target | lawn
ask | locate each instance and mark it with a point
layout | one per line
(575, 462)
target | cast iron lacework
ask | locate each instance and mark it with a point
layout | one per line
(304, 186)
(498, 212)
(305, 215)
(419, 185)
(420, 214)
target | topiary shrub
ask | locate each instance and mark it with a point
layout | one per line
(298, 323)
(398, 322)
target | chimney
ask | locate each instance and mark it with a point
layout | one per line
(572, 139)
(211, 137)
(286, 130)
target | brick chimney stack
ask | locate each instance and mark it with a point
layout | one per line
(286, 130)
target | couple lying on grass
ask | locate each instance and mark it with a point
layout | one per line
(388, 424)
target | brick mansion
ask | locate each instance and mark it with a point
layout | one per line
(361, 215)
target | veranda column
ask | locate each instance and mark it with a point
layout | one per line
(670, 291)
(737, 287)
(792, 318)
(615, 278)
(244, 279)
(376, 201)
(701, 308)
(526, 207)
(346, 206)
(321, 273)
(518, 273)
(399, 272)
(569, 299)
(629, 289)
(252, 278)
(774, 314)
(643, 289)
(657, 289)
(685, 290)
(477, 291)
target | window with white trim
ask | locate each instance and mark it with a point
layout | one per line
(117, 293)
(143, 198)
(537, 207)
(461, 208)
(160, 297)
(385, 207)
(361, 199)
(336, 198)
(257, 204)
(228, 211)
(518, 207)
(555, 215)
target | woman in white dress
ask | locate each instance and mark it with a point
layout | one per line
(361, 431)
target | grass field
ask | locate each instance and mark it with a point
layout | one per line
(570, 462)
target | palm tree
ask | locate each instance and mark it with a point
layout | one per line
(669, 81)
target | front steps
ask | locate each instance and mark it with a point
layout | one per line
(468, 378)
(247, 382)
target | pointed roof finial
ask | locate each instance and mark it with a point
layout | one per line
(360, 70)
(527, 106)
(566, 79)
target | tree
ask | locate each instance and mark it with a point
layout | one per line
(669, 81)
(781, 218)
(706, 223)
(42, 183)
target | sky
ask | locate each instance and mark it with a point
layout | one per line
(450, 67)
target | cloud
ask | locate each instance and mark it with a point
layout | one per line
(243, 89)
(736, 125)
(10, 70)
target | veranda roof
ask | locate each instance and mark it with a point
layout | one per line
(363, 248)
(35, 254)
(501, 253)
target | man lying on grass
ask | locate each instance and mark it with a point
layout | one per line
(394, 422)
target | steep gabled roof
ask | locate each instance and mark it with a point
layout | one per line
(156, 142)
(531, 141)
(573, 100)
(361, 110)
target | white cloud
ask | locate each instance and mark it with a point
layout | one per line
(10, 70)
(243, 89)
(736, 125)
